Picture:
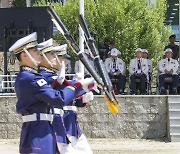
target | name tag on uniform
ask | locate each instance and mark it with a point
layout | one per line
(41, 82)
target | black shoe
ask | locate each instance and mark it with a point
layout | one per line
(132, 93)
(163, 91)
(121, 92)
(143, 92)
(174, 91)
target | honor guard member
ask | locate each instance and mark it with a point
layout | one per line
(116, 69)
(34, 98)
(63, 53)
(46, 69)
(145, 56)
(78, 141)
(138, 69)
(168, 67)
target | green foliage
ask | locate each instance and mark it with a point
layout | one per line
(130, 23)
(19, 3)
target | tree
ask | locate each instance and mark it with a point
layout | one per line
(130, 23)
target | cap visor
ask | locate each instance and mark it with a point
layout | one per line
(67, 56)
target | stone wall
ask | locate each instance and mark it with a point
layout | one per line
(138, 117)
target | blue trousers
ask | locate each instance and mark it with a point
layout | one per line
(174, 77)
(142, 82)
(122, 81)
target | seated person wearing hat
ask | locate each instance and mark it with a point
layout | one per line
(145, 55)
(173, 47)
(168, 67)
(138, 69)
(116, 70)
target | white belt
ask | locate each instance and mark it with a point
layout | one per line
(58, 111)
(33, 117)
(72, 108)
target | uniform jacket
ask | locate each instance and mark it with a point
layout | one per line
(120, 65)
(170, 64)
(36, 96)
(134, 66)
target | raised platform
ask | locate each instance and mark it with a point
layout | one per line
(139, 117)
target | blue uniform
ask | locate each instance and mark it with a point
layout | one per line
(70, 117)
(58, 124)
(36, 96)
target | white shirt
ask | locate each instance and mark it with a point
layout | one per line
(119, 65)
(133, 67)
(165, 64)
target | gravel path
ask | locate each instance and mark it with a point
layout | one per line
(111, 146)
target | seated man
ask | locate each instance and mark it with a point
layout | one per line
(138, 68)
(115, 68)
(168, 67)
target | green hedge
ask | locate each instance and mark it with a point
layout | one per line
(130, 23)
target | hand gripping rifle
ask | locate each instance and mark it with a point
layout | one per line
(110, 99)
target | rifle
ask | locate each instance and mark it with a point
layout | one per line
(98, 62)
(112, 105)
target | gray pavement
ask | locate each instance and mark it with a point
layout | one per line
(111, 146)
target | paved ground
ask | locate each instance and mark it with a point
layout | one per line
(111, 146)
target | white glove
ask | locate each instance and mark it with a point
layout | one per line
(78, 76)
(87, 97)
(61, 73)
(89, 84)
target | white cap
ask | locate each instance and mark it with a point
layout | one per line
(138, 49)
(145, 50)
(46, 46)
(60, 50)
(115, 52)
(26, 42)
(168, 50)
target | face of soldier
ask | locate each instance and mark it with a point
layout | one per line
(51, 57)
(35, 54)
(168, 54)
(138, 54)
(145, 55)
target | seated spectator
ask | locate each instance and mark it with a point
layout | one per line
(77, 64)
(116, 70)
(138, 69)
(168, 67)
(145, 56)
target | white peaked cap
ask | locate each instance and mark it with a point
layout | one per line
(168, 50)
(46, 46)
(26, 42)
(115, 52)
(145, 50)
(60, 48)
(138, 49)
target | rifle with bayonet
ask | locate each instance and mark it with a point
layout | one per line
(110, 99)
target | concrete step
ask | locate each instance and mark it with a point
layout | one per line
(174, 129)
(174, 113)
(174, 121)
(174, 106)
(175, 138)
